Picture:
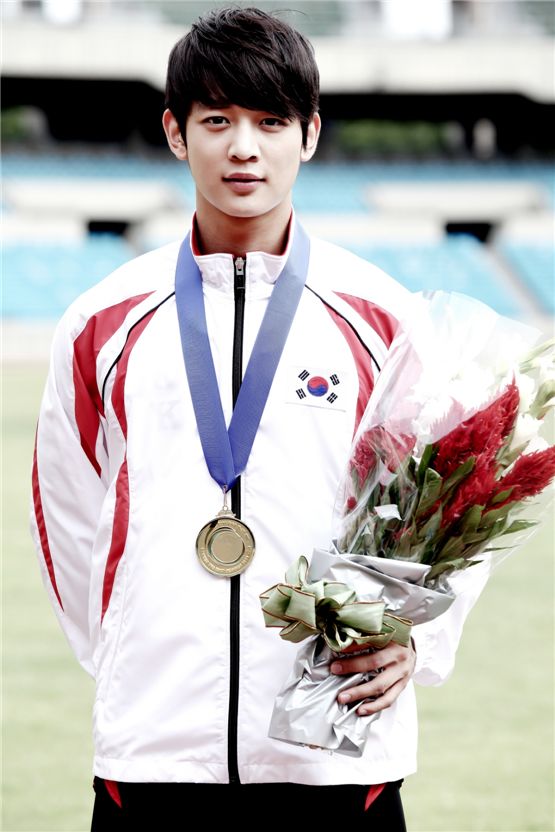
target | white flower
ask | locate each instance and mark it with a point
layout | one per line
(541, 359)
(473, 387)
(546, 368)
(526, 429)
(536, 444)
(527, 390)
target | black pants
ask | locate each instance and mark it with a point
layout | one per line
(172, 807)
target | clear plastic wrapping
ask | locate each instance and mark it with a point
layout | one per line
(447, 456)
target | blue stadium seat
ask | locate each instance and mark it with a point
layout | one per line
(535, 265)
(40, 281)
(459, 263)
(337, 188)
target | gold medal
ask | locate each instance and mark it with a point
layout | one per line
(225, 545)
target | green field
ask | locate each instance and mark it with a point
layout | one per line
(486, 738)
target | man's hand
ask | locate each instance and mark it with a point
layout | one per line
(396, 666)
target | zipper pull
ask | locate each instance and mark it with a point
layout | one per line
(239, 266)
(239, 269)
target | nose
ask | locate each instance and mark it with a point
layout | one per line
(243, 143)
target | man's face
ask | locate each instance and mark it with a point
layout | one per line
(244, 162)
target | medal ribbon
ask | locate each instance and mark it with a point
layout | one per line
(227, 451)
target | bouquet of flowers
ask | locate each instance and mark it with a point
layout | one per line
(447, 455)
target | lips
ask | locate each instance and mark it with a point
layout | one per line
(243, 184)
(242, 177)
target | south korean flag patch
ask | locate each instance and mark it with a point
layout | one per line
(315, 387)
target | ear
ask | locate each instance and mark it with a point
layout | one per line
(312, 135)
(173, 135)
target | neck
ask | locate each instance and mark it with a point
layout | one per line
(219, 232)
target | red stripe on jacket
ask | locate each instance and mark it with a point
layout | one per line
(362, 363)
(86, 347)
(121, 510)
(381, 321)
(41, 526)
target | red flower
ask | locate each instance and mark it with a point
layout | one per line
(351, 504)
(530, 474)
(481, 435)
(376, 445)
(364, 458)
(474, 490)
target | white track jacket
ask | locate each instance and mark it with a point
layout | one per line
(186, 673)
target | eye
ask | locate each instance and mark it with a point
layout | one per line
(216, 121)
(273, 121)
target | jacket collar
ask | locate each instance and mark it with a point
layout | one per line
(261, 269)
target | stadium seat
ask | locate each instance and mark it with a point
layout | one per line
(41, 281)
(534, 265)
(459, 263)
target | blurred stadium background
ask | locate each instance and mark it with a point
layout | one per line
(436, 163)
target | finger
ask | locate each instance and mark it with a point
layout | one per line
(375, 687)
(359, 663)
(382, 702)
(369, 661)
(381, 682)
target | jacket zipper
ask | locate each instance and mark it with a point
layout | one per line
(235, 581)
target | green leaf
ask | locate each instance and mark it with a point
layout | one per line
(452, 549)
(431, 489)
(492, 533)
(501, 496)
(542, 349)
(544, 399)
(444, 566)
(431, 527)
(405, 542)
(428, 456)
(434, 538)
(491, 517)
(479, 536)
(520, 526)
(411, 469)
(506, 457)
(458, 475)
(470, 521)
(493, 549)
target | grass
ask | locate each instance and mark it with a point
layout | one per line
(486, 737)
(47, 698)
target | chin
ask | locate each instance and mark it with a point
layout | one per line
(247, 213)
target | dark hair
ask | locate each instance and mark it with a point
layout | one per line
(244, 57)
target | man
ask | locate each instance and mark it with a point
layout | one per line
(136, 451)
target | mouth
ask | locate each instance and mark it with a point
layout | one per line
(243, 184)
(243, 177)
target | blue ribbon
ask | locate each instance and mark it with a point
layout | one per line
(227, 451)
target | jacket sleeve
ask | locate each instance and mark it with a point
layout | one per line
(437, 641)
(67, 497)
